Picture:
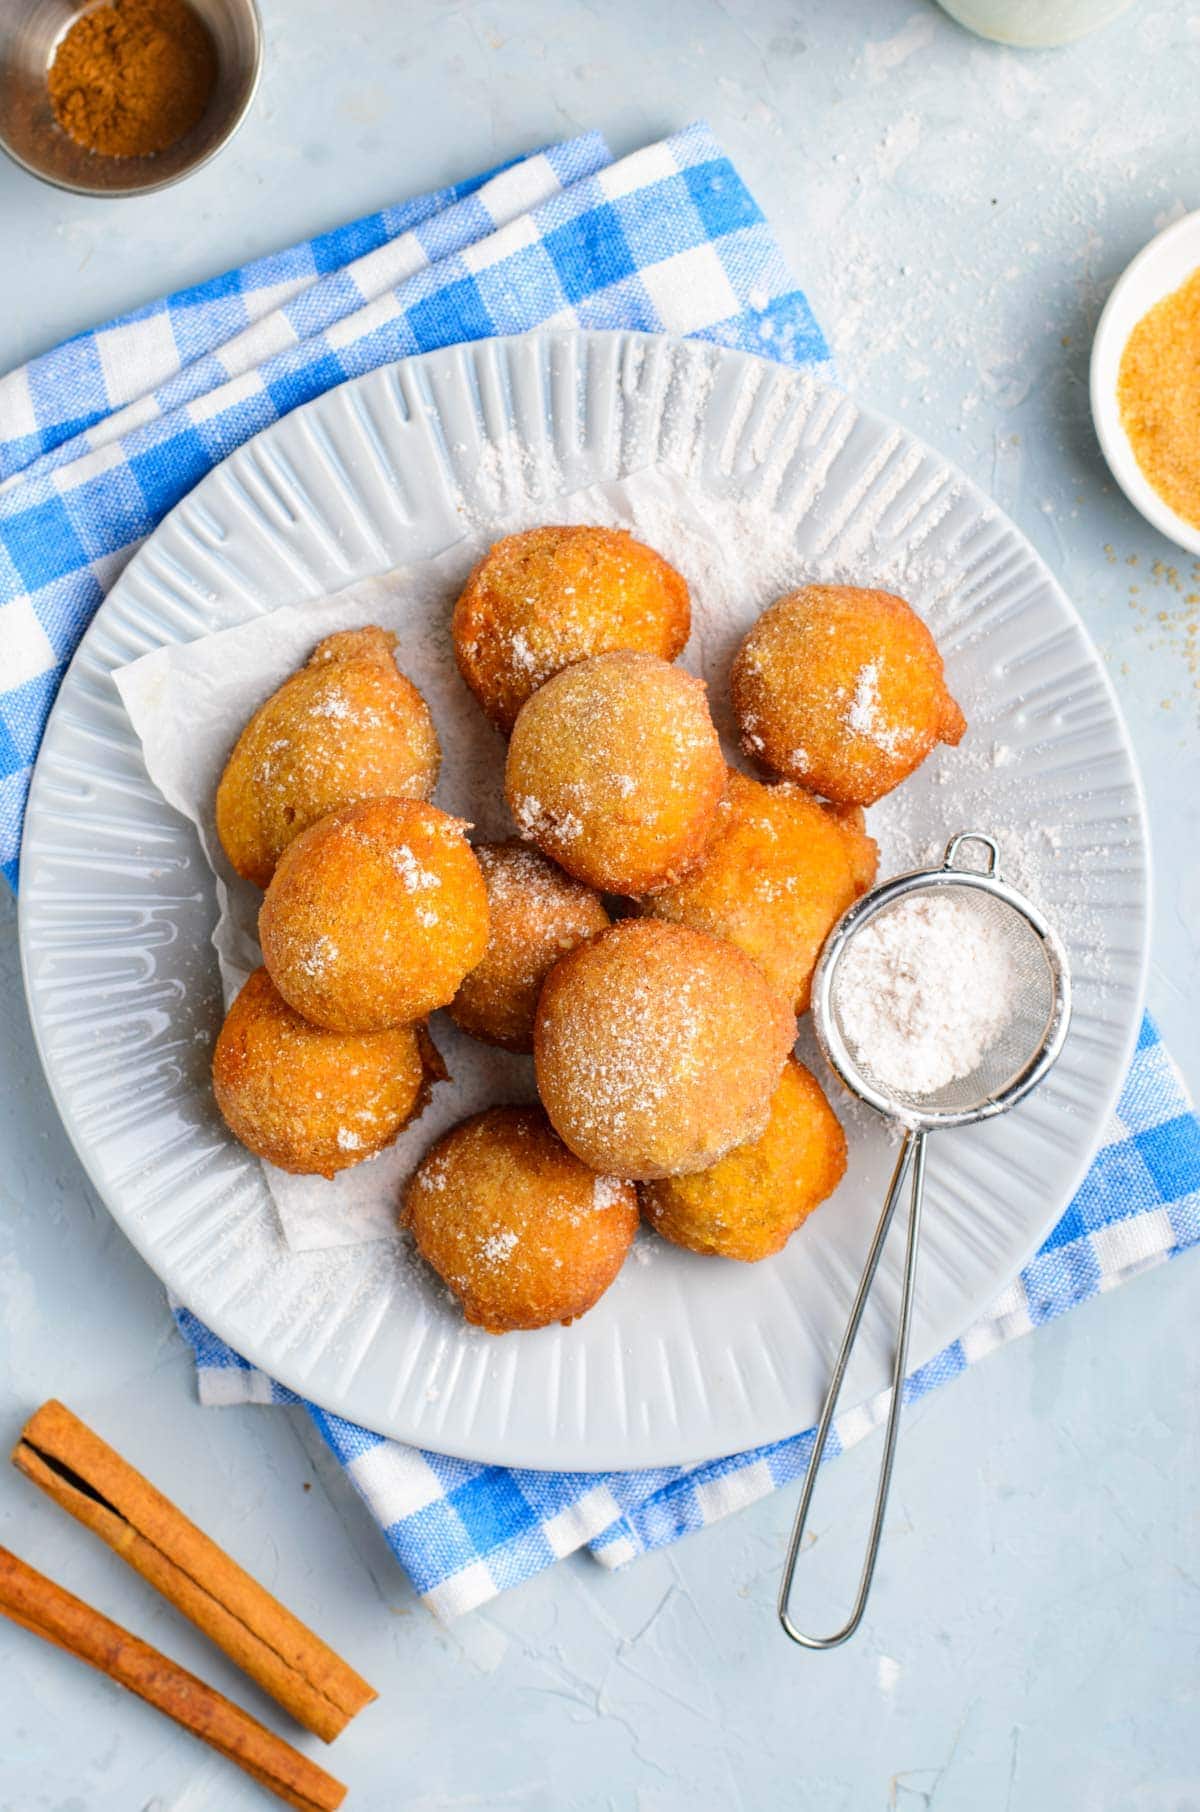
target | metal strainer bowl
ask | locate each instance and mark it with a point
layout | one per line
(1015, 1061)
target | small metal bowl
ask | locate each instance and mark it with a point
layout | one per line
(30, 32)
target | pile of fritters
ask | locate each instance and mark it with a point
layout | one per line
(649, 936)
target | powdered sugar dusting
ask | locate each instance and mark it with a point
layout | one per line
(924, 990)
(608, 1192)
(522, 654)
(333, 705)
(318, 959)
(862, 715)
(536, 821)
(413, 872)
(498, 1246)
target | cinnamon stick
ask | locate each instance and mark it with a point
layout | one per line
(39, 1605)
(89, 1478)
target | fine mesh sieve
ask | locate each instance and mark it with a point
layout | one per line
(1015, 1059)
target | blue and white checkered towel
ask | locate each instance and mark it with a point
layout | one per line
(101, 436)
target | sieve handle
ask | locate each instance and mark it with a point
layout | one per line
(950, 859)
(912, 1156)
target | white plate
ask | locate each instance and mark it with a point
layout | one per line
(685, 1357)
(1159, 268)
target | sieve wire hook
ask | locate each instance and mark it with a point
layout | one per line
(973, 836)
(912, 1157)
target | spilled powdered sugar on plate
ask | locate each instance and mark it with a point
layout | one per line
(741, 533)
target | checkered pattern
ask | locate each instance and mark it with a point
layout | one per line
(98, 440)
(103, 435)
(464, 1532)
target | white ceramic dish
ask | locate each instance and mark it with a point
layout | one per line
(685, 1357)
(1158, 269)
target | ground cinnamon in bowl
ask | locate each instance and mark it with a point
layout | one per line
(1158, 389)
(130, 78)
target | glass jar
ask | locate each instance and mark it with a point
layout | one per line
(1034, 24)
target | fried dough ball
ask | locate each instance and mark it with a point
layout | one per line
(310, 1101)
(615, 770)
(778, 871)
(658, 1049)
(347, 726)
(536, 913)
(522, 1232)
(843, 690)
(374, 916)
(543, 599)
(749, 1204)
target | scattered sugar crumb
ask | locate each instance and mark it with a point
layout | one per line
(497, 1247)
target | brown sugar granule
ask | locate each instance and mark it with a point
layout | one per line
(131, 78)
(1158, 389)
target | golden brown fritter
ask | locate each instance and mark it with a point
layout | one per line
(615, 770)
(749, 1204)
(540, 600)
(521, 1231)
(311, 1101)
(658, 1049)
(777, 873)
(348, 726)
(374, 916)
(842, 690)
(536, 914)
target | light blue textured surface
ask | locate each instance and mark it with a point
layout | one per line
(1033, 1639)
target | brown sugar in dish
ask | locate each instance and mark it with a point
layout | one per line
(131, 78)
(1158, 392)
